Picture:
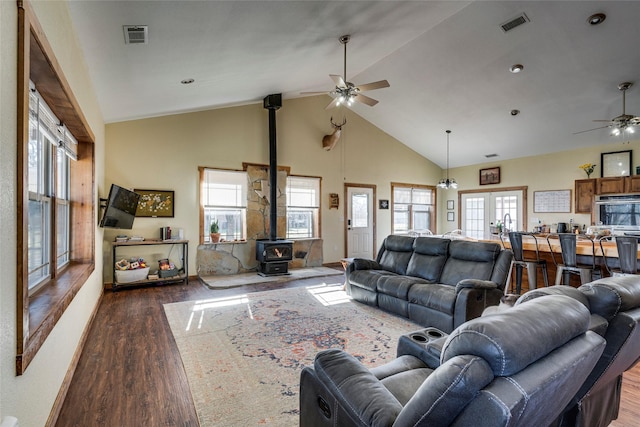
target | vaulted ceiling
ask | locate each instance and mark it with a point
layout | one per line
(447, 62)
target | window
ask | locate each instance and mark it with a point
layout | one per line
(223, 196)
(413, 207)
(303, 207)
(54, 258)
(49, 150)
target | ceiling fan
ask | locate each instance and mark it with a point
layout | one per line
(346, 92)
(623, 122)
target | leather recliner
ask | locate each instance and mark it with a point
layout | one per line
(518, 367)
(615, 300)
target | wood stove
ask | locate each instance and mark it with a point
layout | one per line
(273, 254)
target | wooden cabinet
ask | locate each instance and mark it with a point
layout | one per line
(611, 185)
(632, 184)
(585, 191)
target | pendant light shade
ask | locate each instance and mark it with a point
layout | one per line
(448, 182)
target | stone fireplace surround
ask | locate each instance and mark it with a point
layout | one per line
(239, 257)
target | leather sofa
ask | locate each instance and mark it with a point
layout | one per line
(614, 303)
(433, 281)
(519, 367)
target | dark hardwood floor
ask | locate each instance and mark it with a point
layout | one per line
(130, 372)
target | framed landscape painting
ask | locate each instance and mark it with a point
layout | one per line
(155, 203)
(490, 176)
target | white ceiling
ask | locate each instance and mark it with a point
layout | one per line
(447, 62)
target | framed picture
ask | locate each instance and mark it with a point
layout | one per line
(383, 204)
(616, 163)
(490, 176)
(449, 205)
(450, 217)
(155, 203)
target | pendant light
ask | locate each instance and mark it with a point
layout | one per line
(448, 182)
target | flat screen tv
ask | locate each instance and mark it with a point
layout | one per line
(121, 208)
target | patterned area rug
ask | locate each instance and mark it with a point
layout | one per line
(243, 355)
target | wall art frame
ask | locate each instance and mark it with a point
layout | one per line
(615, 163)
(490, 176)
(155, 203)
(450, 205)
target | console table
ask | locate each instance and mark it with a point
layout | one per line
(183, 271)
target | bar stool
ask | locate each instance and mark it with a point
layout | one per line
(570, 265)
(627, 255)
(520, 262)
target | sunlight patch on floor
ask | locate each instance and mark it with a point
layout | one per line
(329, 294)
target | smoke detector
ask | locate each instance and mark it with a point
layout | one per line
(136, 34)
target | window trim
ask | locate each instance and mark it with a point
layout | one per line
(38, 315)
(319, 218)
(434, 218)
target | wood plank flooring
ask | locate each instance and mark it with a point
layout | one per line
(130, 372)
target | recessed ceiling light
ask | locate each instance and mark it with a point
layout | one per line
(596, 19)
(516, 68)
(515, 112)
(187, 81)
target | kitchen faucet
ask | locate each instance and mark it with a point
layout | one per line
(506, 228)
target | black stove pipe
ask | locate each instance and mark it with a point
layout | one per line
(273, 103)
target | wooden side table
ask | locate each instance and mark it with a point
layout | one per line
(345, 264)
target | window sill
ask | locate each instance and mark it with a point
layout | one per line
(47, 306)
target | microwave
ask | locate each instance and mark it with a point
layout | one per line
(620, 212)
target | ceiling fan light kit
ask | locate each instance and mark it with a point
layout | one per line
(447, 183)
(624, 122)
(345, 92)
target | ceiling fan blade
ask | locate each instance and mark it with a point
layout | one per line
(338, 80)
(365, 100)
(373, 85)
(333, 103)
(635, 121)
(604, 121)
(589, 130)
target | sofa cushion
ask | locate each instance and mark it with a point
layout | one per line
(498, 338)
(395, 253)
(469, 260)
(436, 296)
(429, 256)
(397, 286)
(610, 295)
(368, 279)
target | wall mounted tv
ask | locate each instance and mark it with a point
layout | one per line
(120, 209)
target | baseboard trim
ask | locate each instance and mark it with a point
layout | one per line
(64, 388)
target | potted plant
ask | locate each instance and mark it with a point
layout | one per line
(214, 232)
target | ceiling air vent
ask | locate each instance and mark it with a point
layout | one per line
(136, 34)
(489, 156)
(515, 22)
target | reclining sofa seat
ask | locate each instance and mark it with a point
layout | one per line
(433, 281)
(515, 368)
(616, 301)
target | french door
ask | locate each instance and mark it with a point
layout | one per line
(480, 211)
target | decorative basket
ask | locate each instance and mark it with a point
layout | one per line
(128, 276)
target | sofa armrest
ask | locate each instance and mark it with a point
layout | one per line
(346, 378)
(475, 284)
(362, 264)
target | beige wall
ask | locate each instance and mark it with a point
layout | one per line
(556, 171)
(165, 152)
(30, 397)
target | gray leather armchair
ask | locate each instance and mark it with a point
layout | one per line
(614, 303)
(518, 367)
